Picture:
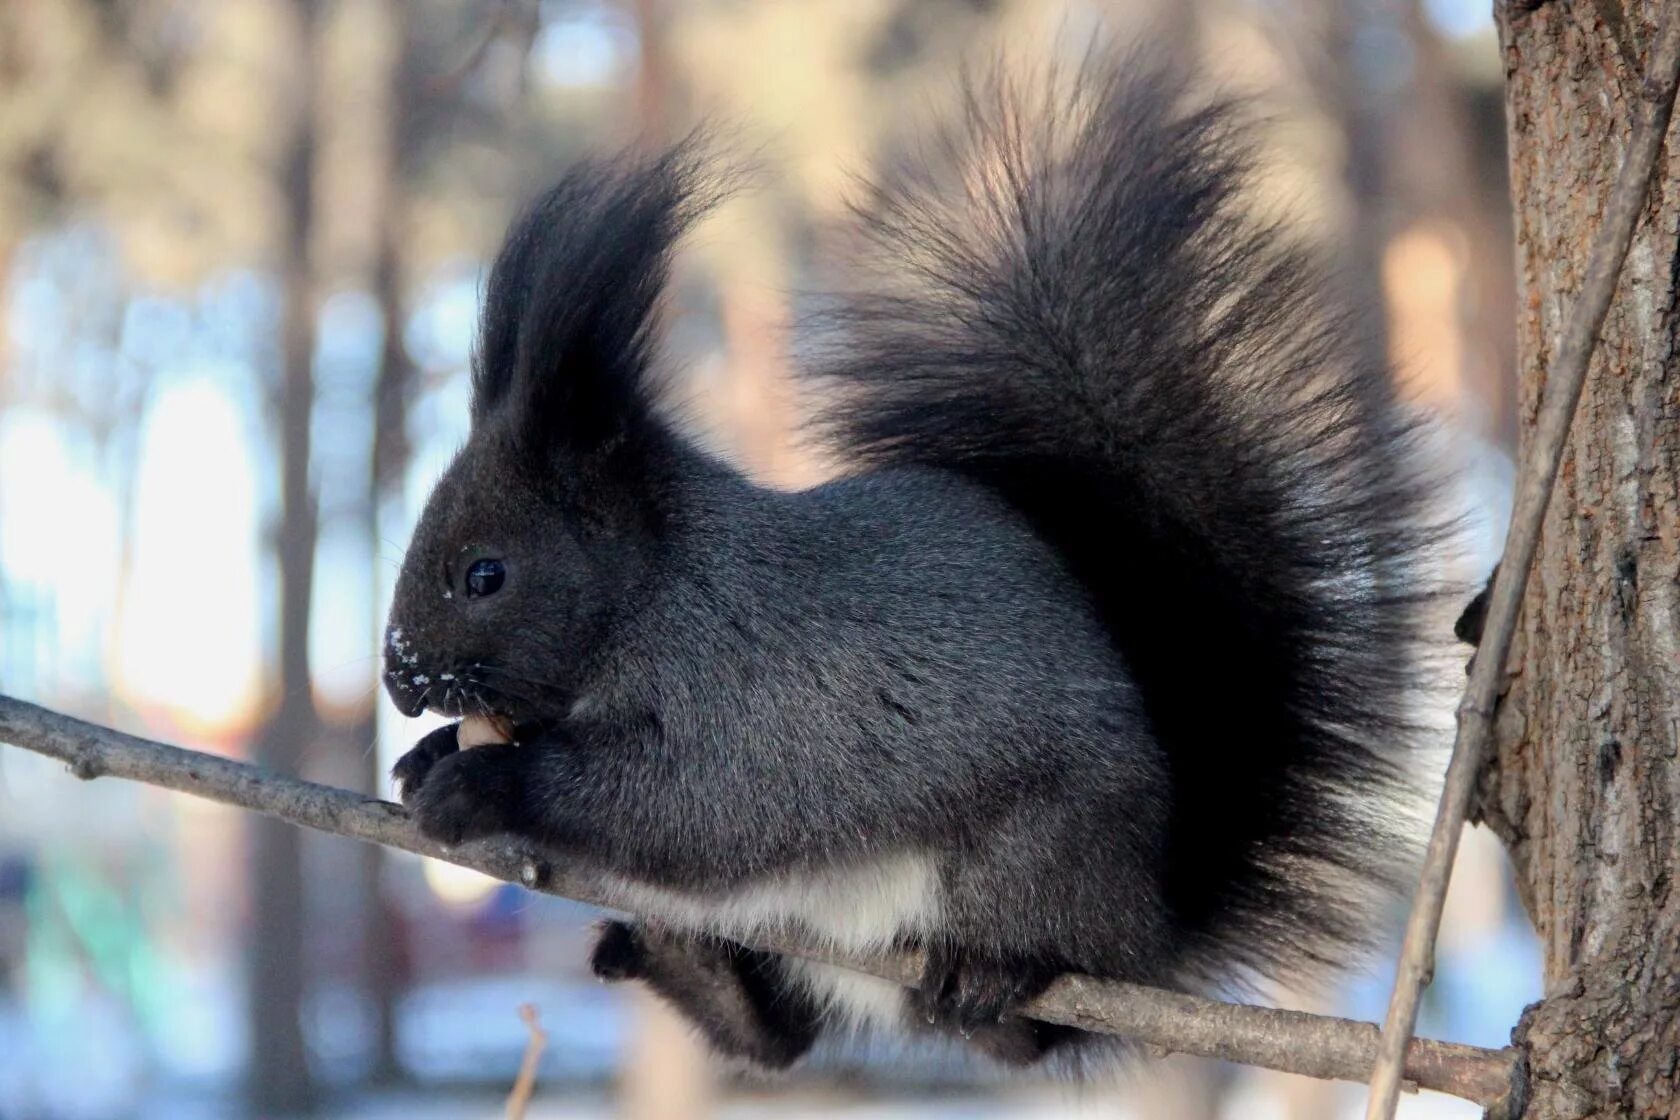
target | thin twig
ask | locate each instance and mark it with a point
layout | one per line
(1295, 1042)
(1539, 472)
(526, 1085)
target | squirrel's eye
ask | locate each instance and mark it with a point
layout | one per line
(485, 578)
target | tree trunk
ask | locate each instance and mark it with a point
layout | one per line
(381, 963)
(280, 1083)
(1362, 124)
(1585, 790)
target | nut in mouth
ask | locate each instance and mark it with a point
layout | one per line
(479, 731)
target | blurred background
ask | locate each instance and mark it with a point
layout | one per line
(241, 246)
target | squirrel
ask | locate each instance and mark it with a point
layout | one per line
(1102, 655)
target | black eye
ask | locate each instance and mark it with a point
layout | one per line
(485, 578)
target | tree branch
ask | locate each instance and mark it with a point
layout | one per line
(1294, 1042)
(1564, 382)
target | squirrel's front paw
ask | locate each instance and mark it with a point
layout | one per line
(411, 769)
(467, 794)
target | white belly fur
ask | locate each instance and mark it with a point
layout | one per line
(857, 909)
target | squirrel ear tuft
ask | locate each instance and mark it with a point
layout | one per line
(567, 336)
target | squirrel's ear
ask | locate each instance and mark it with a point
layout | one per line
(567, 336)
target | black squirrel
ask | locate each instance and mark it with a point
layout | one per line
(1101, 658)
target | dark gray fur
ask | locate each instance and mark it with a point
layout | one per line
(1112, 627)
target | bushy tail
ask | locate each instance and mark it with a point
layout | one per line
(1071, 303)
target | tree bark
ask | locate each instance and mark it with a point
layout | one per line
(280, 1079)
(1584, 787)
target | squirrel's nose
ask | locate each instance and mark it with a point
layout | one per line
(410, 701)
(406, 687)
